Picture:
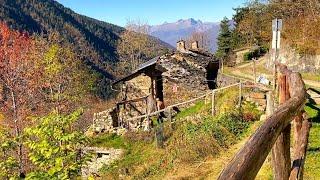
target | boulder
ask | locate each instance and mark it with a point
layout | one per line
(257, 95)
(263, 117)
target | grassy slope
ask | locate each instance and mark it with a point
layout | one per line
(312, 164)
(190, 149)
(143, 160)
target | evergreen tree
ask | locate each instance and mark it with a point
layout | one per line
(224, 40)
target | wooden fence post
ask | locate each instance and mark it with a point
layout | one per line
(248, 161)
(281, 161)
(270, 104)
(254, 71)
(213, 104)
(159, 135)
(170, 113)
(302, 129)
(240, 93)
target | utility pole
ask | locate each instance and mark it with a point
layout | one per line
(276, 28)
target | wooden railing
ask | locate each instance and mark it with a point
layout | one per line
(248, 161)
(170, 108)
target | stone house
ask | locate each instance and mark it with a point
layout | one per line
(161, 81)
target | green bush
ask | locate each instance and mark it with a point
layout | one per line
(247, 56)
(255, 53)
(250, 111)
(234, 123)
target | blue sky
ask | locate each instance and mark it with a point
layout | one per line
(154, 11)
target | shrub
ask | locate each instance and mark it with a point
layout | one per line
(54, 147)
(247, 56)
(234, 123)
(250, 111)
(255, 53)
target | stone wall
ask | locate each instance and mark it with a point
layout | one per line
(296, 62)
(225, 80)
(101, 157)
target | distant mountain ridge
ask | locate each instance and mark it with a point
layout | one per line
(172, 32)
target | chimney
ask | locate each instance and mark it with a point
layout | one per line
(195, 45)
(181, 46)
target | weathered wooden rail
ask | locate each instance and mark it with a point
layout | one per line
(169, 109)
(248, 161)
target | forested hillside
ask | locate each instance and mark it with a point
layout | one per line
(94, 41)
(301, 23)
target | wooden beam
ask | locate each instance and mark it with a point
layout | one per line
(300, 149)
(133, 100)
(248, 161)
(281, 161)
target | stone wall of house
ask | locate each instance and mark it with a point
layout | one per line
(225, 80)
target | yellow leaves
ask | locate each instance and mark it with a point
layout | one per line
(51, 60)
(2, 117)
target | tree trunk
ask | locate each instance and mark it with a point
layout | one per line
(17, 130)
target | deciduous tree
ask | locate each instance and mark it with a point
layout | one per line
(55, 147)
(19, 79)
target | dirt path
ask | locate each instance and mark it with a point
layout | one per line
(238, 71)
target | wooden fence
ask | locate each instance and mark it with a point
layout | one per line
(212, 93)
(274, 134)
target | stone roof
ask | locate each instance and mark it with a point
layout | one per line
(188, 68)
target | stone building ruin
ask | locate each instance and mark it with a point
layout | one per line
(159, 82)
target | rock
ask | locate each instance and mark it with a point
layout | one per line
(257, 95)
(98, 129)
(121, 131)
(103, 157)
(261, 108)
(260, 102)
(90, 133)
(263, 117)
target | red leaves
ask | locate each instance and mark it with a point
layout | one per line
(17, 71)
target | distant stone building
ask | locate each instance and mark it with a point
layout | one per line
(240, 53)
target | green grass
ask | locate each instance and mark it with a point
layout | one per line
(140, 154)
(191, 110)
(190, 140)
(312, 164)
(311, 76)
(110, 141)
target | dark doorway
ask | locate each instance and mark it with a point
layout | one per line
(212, 74)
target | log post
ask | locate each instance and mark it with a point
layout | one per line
(159, 135)
(205, 100)
(213, 104)
(240, 93)
(254, 70)
(281, 161)
(300, 149)
(170, 113)
(297, 126)
(248, 161)
(270, 104)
